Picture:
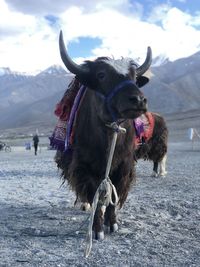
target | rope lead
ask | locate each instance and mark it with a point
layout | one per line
(104, 192)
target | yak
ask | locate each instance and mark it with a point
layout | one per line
(112, 95)
(152, 143)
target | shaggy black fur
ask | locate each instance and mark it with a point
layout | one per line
(90, 152)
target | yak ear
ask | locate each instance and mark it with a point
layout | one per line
(141, 81)
(89, 80)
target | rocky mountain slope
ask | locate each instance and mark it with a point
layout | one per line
(175, 86)
(27, 100)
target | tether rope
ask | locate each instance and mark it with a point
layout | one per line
(104, 192)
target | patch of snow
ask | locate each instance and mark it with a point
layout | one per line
(4, 71)
(160, 60)
(54, 69)
(7, 71)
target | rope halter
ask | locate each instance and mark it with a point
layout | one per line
(103, 195)
(108, 98)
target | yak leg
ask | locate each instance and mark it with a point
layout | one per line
(155, 169)
(85, 187)
(85, 206)
(98, 222)
(110, 219)
(163, 171)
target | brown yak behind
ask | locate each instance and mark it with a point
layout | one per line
(155, 148)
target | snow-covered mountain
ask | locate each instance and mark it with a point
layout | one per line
(17, 88)
(4, 71)
(160, 60)
(28, 99)
(8, 72)
(53, 70)
(175, 86)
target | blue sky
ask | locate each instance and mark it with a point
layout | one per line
(29, 30)
(190, 6)
(83, 46)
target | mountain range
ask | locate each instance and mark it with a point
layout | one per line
(29, 100)
(175, 86)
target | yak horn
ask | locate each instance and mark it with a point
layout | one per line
(147, 63)
(69, 64)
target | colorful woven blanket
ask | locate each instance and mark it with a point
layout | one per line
(144, 126)
(66, 110)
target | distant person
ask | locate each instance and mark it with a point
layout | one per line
(35, 143)
(1, 145)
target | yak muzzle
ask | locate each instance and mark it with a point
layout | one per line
(139, 101)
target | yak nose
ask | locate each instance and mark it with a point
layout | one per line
(139, 100)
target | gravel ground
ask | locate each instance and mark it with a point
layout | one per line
(158, 226)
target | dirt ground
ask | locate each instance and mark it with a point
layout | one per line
(158, 226)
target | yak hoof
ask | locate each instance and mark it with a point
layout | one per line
(154, 174)
(99, 235)
(114, 228)
(111, 229)
(163, 173)
(85, 206)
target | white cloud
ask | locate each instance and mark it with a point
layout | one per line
(124, 35)
(14, 22)
(158, 13)
(181, 38)
(28, 42)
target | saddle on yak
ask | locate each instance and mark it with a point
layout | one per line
(67, 110)
(144, 126)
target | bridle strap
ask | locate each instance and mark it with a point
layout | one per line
(109, 97)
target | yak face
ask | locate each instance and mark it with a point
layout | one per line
(117, 92)
(115, 84)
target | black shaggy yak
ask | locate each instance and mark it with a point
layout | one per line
(112, 94)
(155, 147)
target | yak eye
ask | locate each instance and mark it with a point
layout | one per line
(101, 75)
